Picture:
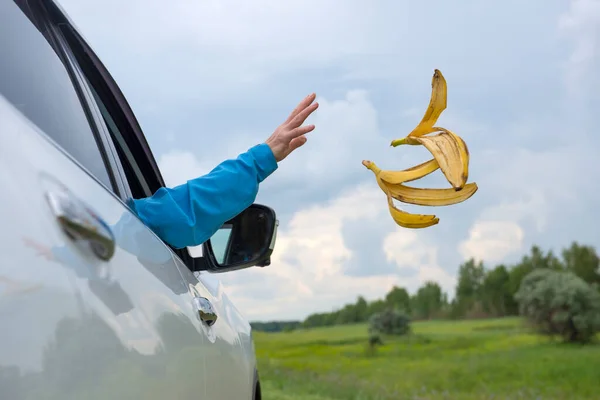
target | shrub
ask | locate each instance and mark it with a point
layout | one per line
(389, 322)
(560, 303)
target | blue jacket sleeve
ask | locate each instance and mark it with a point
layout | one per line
(189, 214)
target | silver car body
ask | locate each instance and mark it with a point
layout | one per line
(74, 326)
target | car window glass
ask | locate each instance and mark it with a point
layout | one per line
(34, 79)
(135, 177)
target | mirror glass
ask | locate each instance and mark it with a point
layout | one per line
(220, 242)
(244, 239)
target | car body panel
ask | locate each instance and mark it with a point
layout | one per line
(231, 352)
(75, 326)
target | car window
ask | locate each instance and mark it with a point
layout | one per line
(135, 177)
(34, 79)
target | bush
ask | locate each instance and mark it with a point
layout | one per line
(560, 303)
(389, 322)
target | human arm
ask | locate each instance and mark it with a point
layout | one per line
(190, 214)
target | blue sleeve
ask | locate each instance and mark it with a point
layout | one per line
(189, 214)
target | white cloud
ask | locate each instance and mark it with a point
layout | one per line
(306, 267)
(341, 128)
(177, 167)
(407, 249)
(527, 193)
(492, 241)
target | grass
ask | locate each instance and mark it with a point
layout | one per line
(485, 359)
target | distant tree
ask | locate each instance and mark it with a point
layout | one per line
(536, 259)
(468, 287)
(347, 315)
(362, 308)
(375, 307)
(427, 301)
(560, 303)
(583, 262)
(398, 298)
(389, 322)
(495, 294)
(470, 280)
(275, 326)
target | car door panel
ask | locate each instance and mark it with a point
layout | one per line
(76, 326)
(230, 355)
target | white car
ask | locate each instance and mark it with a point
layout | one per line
(93, 305)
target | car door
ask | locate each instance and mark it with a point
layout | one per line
(92, 303)
(230, 355)
(227, 349)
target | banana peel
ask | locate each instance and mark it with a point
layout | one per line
(437, 105)
(402, 218)
(450, 155)
(449, 150)
(410, 174)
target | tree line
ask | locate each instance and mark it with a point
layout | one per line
(480, 292)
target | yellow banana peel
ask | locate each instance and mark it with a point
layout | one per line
(410, 174)
(402, 218)
(431, 197)
(450, 155)
(437, 104)
(449, 150)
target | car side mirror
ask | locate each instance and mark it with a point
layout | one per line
(247, 240)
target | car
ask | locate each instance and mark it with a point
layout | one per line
(93, 304)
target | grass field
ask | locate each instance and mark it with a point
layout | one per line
(485, 359)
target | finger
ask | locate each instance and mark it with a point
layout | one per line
(301, 106)
(297, 142)
(301, 117)
(302, 130)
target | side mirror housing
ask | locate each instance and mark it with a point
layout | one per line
(247, 240)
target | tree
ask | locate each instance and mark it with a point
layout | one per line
(347, 315)
(536, 259)
(495, 292)
(376, 306)
(398, 298)
(470, 280)
(361, 307)
(560, 303)
(389, 322)
(428, 300)
(468, 287)
(583, 262)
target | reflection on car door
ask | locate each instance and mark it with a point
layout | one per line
(95, 305)
(230, 357)
(130, 334)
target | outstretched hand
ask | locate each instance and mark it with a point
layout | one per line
(291, 134)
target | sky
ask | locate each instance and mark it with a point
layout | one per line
(209, 79)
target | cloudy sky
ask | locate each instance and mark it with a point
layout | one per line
(210, 78)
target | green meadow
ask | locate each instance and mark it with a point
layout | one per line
(482, 359)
